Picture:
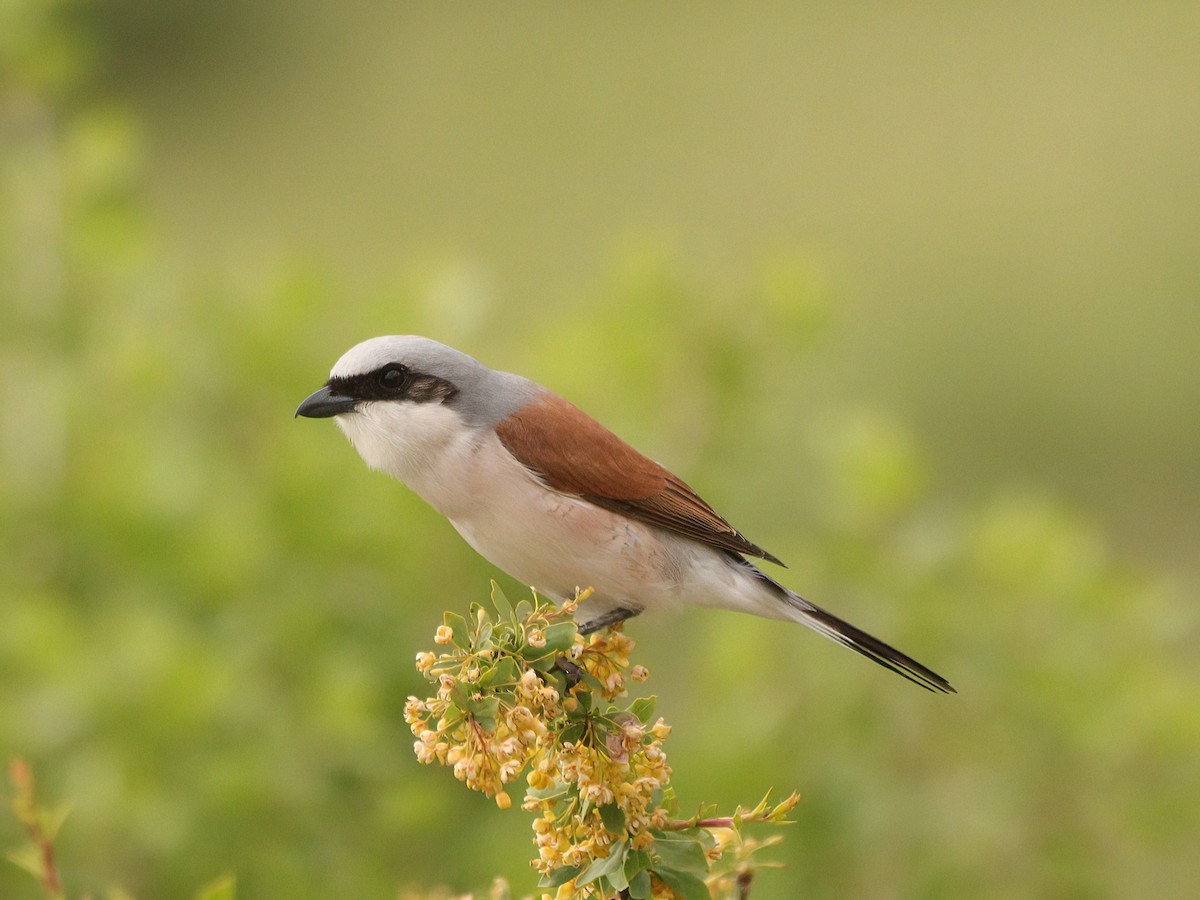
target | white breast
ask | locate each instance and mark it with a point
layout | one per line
(424, 445)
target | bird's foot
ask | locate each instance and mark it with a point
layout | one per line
(571, 672)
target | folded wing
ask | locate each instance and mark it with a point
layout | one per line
(573, 453)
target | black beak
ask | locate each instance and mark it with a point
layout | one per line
(324, 404)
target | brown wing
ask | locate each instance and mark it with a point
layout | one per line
(573, 453)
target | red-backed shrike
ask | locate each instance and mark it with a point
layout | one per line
(551, 496)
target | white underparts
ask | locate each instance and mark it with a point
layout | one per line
(545, 539)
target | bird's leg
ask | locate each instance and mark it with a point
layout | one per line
(604, 620)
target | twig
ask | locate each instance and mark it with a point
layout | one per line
(25, 806)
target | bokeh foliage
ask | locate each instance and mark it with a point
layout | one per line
(210, 611)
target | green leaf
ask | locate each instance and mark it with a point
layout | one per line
(453, 714)
(636, 864)
(559, 876)
(679, 851)
(559, 637)
(614, 862)
(481, 619)
(483, 640)
(573, 733)
(663, 798)
(615, 881)
(485, 706)
(221, 889)
(486, 677)
(506, 671)
(643, 708)
(503, 607)
(585, 704)
(685, 884)
(613, 818)
(484, 711)
(639, 886)
(635, 861)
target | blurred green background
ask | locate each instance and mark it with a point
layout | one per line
(909, 292)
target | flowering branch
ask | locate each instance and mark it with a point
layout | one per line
(521, 691)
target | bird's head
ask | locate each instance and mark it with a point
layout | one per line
(401, 399)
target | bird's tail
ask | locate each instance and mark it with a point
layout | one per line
(802, 611)
(869, 646)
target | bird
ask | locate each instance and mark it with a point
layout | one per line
(552, 497)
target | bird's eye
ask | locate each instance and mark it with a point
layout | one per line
(393, 379)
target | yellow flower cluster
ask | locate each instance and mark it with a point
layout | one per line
(485, 752)
(605, 656)
(589, 797)
(596, 775)
(523, 692)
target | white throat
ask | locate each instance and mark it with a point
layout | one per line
(420, 444)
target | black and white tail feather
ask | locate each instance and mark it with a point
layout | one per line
(822, 622)
(869, 646)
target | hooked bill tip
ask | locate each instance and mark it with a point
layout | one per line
(323, 404)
